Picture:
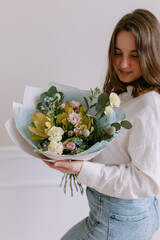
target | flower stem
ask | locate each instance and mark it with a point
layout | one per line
(72, 178)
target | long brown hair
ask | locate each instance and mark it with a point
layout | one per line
(146, 29)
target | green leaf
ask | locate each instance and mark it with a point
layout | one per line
(39, 146)
(39, 106)
(42, 96)
(91, 91)
(104, 136)
(59, 111)
(96, 92)
(98, 107)
(103, 115)
(86, 101)
(33, 124)
(93, 105)
(83, 147)
(103, 99)
(52, 90)
(126, 124)
(62, 95)
(116, 125)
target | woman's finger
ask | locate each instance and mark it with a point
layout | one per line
(72, 167)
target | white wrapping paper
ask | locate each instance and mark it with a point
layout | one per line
(21, 117)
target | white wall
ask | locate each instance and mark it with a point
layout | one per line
(63, 41)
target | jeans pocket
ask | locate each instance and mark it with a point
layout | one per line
(128, 227)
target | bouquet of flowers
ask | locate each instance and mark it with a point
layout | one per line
(66, 123)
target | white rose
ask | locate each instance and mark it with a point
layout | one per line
(58, 96)
(86, 132)
(55, 133)
(108, 110)
(56, 147)
(114, 100)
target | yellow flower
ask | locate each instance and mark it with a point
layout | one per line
(41, 122)
(86, 123)
(62, 118)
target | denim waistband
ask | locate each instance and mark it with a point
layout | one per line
(104, 197)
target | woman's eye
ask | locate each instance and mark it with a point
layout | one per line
(118, 54)
(135, 56)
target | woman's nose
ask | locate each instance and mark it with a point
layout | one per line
(124, 62)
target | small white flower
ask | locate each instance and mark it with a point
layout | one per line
(108, 110)
(86, 132)
(58, 96)
(56, 147)
(114, 100)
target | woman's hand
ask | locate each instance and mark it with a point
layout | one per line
(71, 167)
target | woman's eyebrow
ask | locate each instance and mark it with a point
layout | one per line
(133, 51)
(121, 50)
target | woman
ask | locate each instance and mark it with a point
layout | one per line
(124, 180)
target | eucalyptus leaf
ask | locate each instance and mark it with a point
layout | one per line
(120, 115)
(116, 125)
(42, 96)
(52, 90)
(98, 107)
(106, 119)
(103, 99)
(62, 95)
(126, 124)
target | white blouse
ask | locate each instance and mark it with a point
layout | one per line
(130, 166)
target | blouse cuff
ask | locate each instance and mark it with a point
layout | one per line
(89, 173)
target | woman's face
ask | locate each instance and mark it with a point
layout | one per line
(126, 62)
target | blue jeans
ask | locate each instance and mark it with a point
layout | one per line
(116, 219)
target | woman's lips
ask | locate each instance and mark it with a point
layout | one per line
(124, 73)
